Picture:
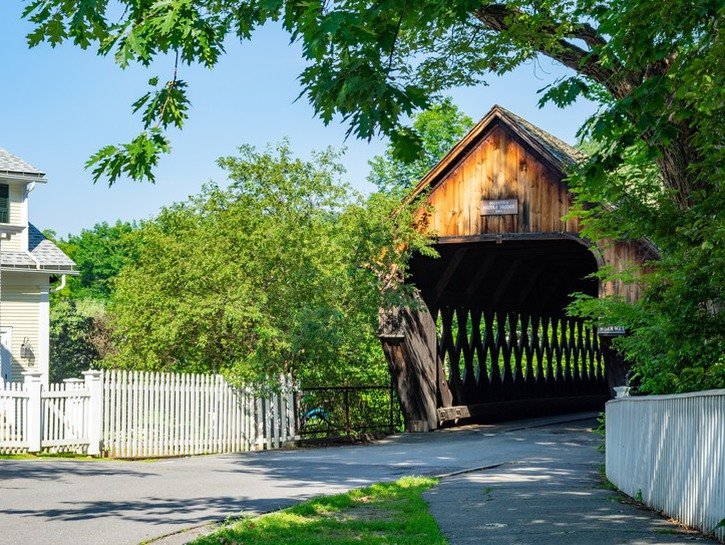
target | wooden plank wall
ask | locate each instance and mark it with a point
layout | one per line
(500, 168)
(623, 257)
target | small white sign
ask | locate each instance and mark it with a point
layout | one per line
(500, 207)
(611, 331)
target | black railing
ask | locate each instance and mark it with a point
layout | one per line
(347, 411)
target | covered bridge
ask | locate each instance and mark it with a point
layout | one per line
(491, 338)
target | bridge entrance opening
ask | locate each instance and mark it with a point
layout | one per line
(505, 346)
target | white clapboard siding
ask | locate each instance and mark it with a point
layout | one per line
(149, 414)
(669, 451)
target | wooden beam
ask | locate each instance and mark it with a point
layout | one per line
(505, 410)
(504, 237)
(531, 282)
(480, 275)
(409, 344)
(505, 281)
(450, 269)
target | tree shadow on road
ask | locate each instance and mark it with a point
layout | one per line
(165, 511)
(59, 469)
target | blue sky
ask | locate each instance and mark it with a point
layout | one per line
(58, 106)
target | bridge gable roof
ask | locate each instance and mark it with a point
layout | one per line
(552, 151)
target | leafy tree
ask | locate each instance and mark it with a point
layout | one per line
(655, 66)
(80, 332)
(440, 128)
(676, 338)
(99, 253)
(262, 277)
(77, 337)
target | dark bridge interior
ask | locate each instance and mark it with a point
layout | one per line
(505, 345)
(534, 276)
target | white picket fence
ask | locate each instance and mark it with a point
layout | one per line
(13, 411)
(669, 451)
(57, 418)
(132, 414)
(165, 414)
(66, 414)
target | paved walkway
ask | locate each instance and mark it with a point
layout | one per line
(554, 496)
(544, 490)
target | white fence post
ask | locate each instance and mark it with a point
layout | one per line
(33, 422)
(95, 411)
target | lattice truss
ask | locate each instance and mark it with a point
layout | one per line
(495, 356)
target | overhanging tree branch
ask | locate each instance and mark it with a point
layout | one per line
(501, 18)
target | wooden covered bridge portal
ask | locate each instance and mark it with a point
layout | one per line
(491, 338)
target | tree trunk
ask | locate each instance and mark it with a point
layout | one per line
(409, 342)
(674, 162)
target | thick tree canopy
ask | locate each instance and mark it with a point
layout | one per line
(655, 66)
(284, 271)
(79, 321)
(99, 253)
(440, 128)
(655, 63)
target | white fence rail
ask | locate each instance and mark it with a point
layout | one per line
(13, 416)
(669, 451)
(165, 414)
(137, 414)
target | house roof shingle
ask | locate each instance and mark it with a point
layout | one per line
(13, 164)
(47, 253)
(17, 259)
(49, 257)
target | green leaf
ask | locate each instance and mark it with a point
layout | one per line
(406, 145)
(136, 159)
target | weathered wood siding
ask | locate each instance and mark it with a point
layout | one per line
(623, 257)
(499, 167)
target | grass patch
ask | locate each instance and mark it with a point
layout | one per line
(380, 514)
(47, 456)
(605, 483)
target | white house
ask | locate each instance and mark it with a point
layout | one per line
(30, 267)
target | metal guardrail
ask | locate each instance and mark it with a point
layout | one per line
(347, 411)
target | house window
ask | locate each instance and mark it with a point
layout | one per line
(4, 203)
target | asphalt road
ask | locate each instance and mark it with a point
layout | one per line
(113, 502)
